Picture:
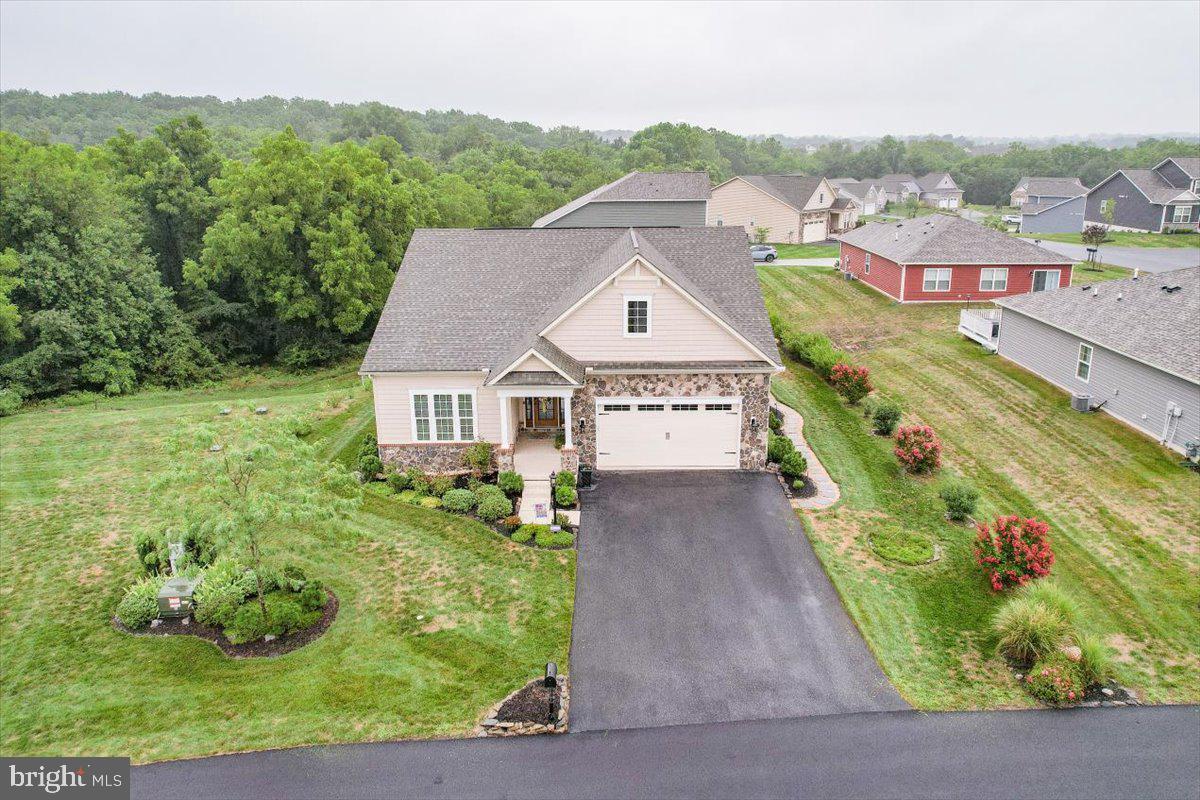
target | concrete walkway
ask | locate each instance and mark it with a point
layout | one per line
(828, 492)
(534, 459)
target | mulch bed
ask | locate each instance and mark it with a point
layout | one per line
(258, 649)
(534, 703)
(809, 490)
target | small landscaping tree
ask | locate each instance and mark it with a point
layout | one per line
(1013, 551)
(1093, 235)
(960, 499)
(793, 466)
(760, 234)
(885, 416)
(918, 448)
(852, 383)
(778, 447)
(478, 457)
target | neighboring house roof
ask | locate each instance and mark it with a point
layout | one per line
(794, 190)
(466, 300)
(1154, 186)
(1053, 187)
(1033, 209)
(845, 202)
(855, 189)
(638, 186)
(947, 239)
(1134, 317)
(899, 176)
(929, 182)
(1189, 165)
(839, 181)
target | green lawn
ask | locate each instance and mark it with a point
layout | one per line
(1123, 514)
(74, 491)
(993, 211)
(807, 250)
(899, 210)
(1125, 239)
(1083, 274)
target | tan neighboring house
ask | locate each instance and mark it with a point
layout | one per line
(645, 348)
(793, 208)
(871, 198)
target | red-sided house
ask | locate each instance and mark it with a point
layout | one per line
(942, 258)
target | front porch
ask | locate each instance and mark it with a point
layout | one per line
(531, 419)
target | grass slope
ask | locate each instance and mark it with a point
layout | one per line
(74, 491)
(1125, 239)
(1123, 514)
(807, 250)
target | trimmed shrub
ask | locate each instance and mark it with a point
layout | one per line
(460, 501)
(398, 481)
(1095, 663)
(918, 448)
(226, 585)
(440, 484)
(478, 457)
(369, 446)
(1027, 629)
(511, 483)
(488, 490)
(1013, 551)
(549, 538)
(560, 441)
(565, 496)
(140, 604)
(852, 383)
(1056, 680)
(529, 532)
(885, 416)
(778, 447)
(10, 402)
(429, 501)
(960, 499)
(370, 466)
(798, 485)
(417, 480)
(512, 522)
(565, 478)
(494, 507)
(561, 520)
(793, 466)
(313, 596)
(774, 422)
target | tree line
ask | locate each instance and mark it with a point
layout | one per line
(157, 256)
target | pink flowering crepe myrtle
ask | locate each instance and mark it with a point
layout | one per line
(853, 383)
(918, 448)
(1013, 551)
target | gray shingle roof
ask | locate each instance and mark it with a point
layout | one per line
(844, 202)
(795, 190)
(1032, 209)
(855, 189)
(1148, 324)
(639, 186)
(1189, 165)
(1054, 187)
(468, 300)
(929, 182)
(947, 239)
(1155, 186)
(539, 378)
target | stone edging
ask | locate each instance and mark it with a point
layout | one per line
(490, 726)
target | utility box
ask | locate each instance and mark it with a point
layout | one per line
(175, 598)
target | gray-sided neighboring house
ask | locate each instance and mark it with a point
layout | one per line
(639, 199)
(1045, 190)
(1050, 205)
(1131, 346)
(897, 187)
(939, 190)
(1164, 198)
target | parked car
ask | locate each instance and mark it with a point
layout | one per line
(763, 252)
(1012, 219)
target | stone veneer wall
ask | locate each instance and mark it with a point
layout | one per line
(754, 389)
(436, 458)
(569, 458)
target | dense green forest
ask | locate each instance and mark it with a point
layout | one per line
(155, 239)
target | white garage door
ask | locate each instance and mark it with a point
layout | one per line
(814, 231)
(660, 433)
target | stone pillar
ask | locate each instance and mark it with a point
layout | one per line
(504, 459)
(568, 459)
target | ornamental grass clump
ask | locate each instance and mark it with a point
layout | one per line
(1013, 551)
(852, 383)
(1027, 629)
(918, 448)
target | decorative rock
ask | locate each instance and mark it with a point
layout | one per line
(1107, 692)
(216, 448)
(154, 623)
(1118, 702)
(225, 412)
(187, 620)
(270, 637)
(260, 410)
(1072, 652)
(1020, 677)
(491, 721)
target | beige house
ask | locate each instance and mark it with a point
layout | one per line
(643, 348)
(793, 208)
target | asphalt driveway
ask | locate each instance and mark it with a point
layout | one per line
(699, 599)
(1147, 259)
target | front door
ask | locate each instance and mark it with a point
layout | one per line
(543, 412)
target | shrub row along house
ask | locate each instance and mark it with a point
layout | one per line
(647, 348)
(1129, 347)
(788, 208)
(943, 258)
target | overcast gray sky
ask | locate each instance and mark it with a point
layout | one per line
(984, 69)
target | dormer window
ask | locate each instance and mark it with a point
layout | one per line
(637, 316)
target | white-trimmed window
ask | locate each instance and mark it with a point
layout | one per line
(443, 416)
(637, 315)
(1181, 214)
(867, 264)
(1083, 369)
(1045, 280)
(936, 280)
(1105, 205)
(993, 279)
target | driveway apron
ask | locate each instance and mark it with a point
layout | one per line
(699, 599)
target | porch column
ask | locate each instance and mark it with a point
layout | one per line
(505, 403)
(566, 406)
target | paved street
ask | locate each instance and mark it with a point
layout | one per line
(1097, 753)
(1148, 259)
(699, 599)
